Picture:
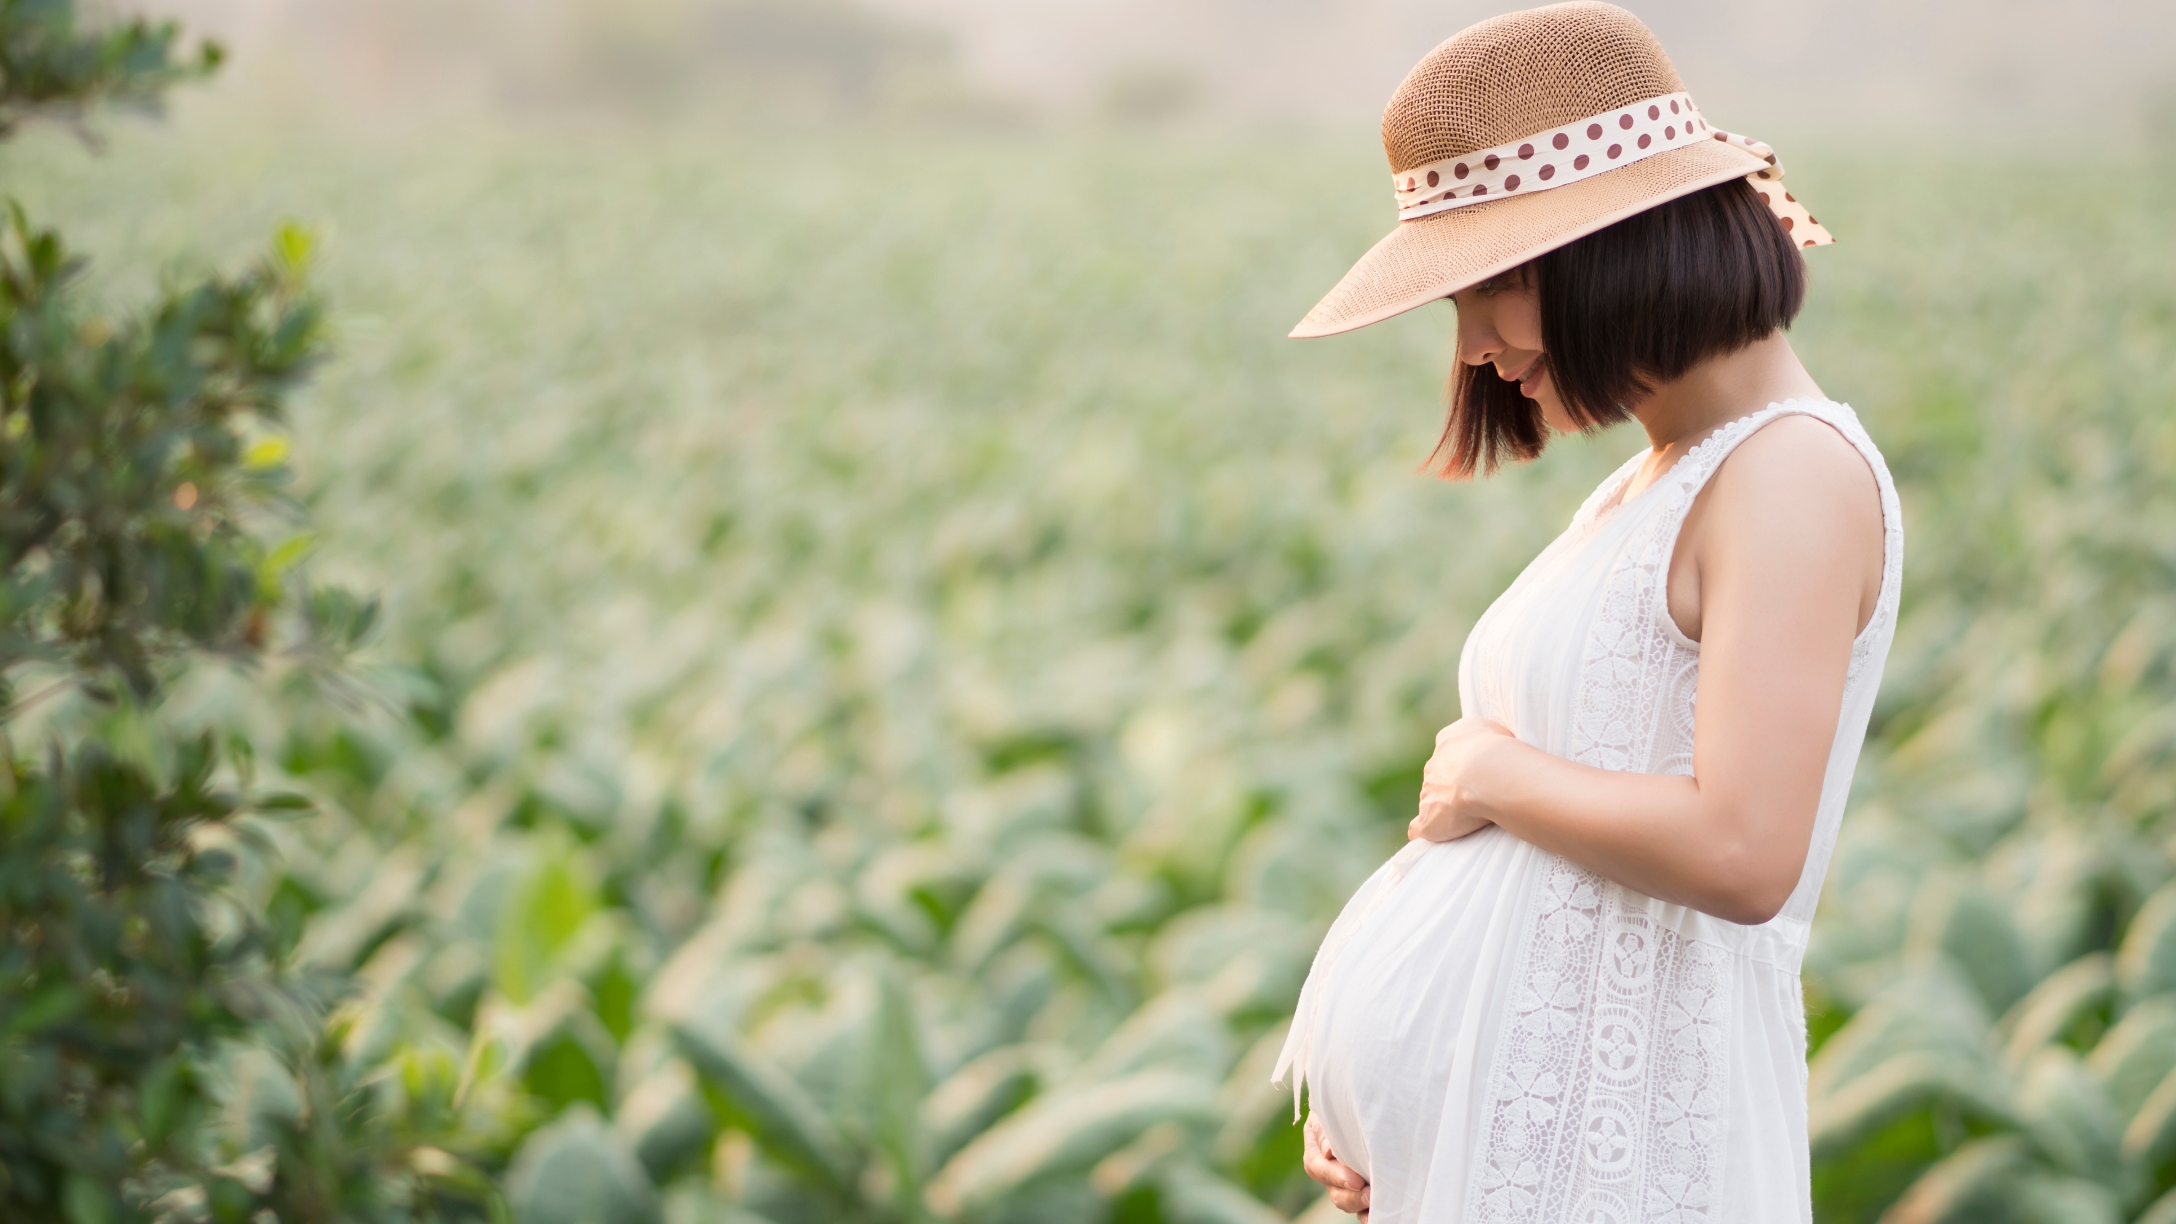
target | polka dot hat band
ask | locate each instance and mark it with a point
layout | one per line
(1527, 131)
(1580, 150)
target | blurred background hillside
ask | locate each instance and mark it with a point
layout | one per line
(2074, 72)
(889, 659)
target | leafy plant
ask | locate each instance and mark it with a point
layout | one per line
(155, 1058)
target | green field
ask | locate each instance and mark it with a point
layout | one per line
(891, 660)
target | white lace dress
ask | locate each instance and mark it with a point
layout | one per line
(1492, 1034)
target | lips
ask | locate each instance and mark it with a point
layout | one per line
(1525, 373)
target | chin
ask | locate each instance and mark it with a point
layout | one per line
(1553, 414)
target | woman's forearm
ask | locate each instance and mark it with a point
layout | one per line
(1662, 836)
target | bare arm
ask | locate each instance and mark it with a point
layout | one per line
(1784, 549)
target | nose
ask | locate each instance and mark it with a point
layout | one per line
(1478, 343)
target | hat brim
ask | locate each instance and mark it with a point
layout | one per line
(1437, 255)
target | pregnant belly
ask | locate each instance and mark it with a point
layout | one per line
(1408, 1013)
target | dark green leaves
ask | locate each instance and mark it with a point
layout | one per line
(51, 65)
(136, 462)
(155, 1057)
(112, 969)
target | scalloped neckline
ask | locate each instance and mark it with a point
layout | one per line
(1619, 501)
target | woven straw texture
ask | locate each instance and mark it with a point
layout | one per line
(1514, 75)
(1494, 83)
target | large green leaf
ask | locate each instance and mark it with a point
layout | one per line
(2162, 1211)
(754, 1094)
(915, 892)
(1255, 1110)
(1932, 1010)
(665, 1121)
(2137, 1054)
(1847, 1116)
(554, 1046)
(1976, 1184)
(1194, 1195)
(999, 913)
(2044, 1199)
(2063, 895)
(2071, 997)
(1064, 1133)
(899, 1080)
(339, 936)
(2070, 1117)
(541, 914)
(2149, 1141)
(577, 1171)
(1176, 1030)
(978, 1094)
(2146, 961)
(1959, 919)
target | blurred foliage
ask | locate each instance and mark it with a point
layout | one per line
(741, 62)
(52, 66)
(781, 58)
(156, 1061)
(891, 694)
(129, 459)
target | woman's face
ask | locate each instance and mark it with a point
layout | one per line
(1499, 324)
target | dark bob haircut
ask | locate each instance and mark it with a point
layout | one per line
(1628, 308)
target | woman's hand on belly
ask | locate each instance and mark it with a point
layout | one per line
(1451, 803)
(1348, 1190)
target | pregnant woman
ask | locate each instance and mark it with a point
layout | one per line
(1574, 995)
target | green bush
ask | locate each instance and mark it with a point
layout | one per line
(156, 1059)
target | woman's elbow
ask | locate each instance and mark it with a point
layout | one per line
(1751, 887)
(1749, 907)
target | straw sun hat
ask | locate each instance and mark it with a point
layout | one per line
(1524, 132)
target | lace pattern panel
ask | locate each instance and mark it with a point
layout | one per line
(1606, 1097)
(1630, 664)
(1613, 1068)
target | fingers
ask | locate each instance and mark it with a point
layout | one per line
(1351, 1202)
(1431, 822)
(1311, 1155)
(1348, 1190)
(1323, 1168)
(1316, 1160)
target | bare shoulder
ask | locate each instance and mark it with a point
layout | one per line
(1799, 463)
(1792, 516)
(1796, 516)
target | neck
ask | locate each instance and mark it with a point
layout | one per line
(1722, 389)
